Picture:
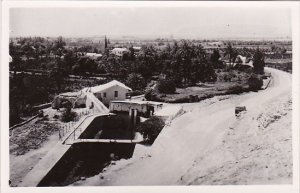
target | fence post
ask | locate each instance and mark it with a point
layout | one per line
(59, 136)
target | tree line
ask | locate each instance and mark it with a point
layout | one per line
(185, 62)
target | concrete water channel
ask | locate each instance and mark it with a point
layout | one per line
(87, 150)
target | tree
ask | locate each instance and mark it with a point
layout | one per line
(136, 81)
(185, 53)
(258, 62)
(151, 128)
(84, 65)
(15, 65)
(89, 66)
(59, 46)
(202, 71)
(69, 60)
(231, 53)
(105, 42)
(101, 68)
(214, 58)
(68, 115)
(149, 94)
(131, 53)
(174, 72)
(142, 67)
(27, 50)
(255, 83)
(166, 86)
(58, 75)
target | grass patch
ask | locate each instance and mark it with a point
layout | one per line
(229, 82)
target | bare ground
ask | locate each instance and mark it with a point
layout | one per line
(32, 141)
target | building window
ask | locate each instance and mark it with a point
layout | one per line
(104, 94)
(116, 93)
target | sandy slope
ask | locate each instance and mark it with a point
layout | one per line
(209, 145)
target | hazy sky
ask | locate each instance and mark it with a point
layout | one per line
(188, 22)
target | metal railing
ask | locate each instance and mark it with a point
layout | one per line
(75, 132)
(67, 127)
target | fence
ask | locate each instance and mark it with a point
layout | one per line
(69, 126)
(73, 135)
(75, 132)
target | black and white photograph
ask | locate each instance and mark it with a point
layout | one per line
(150, 94)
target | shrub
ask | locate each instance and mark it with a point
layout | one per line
(151, 128)
(236, 89)
(68, 115)
(149, 94)
(166, 86)
(185, 99)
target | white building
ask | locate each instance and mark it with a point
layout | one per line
(94, 56)
(137, 48)
(119, 51)
(144, 108)
(242, 60)
(111, 91)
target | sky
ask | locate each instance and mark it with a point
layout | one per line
(157, 22)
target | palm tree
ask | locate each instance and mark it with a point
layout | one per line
(231, 53)
(258, 62)
(186, 52)
(59, 46)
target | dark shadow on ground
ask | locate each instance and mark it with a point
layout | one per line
(85, 160)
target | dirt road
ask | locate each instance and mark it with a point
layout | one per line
(209, 145)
